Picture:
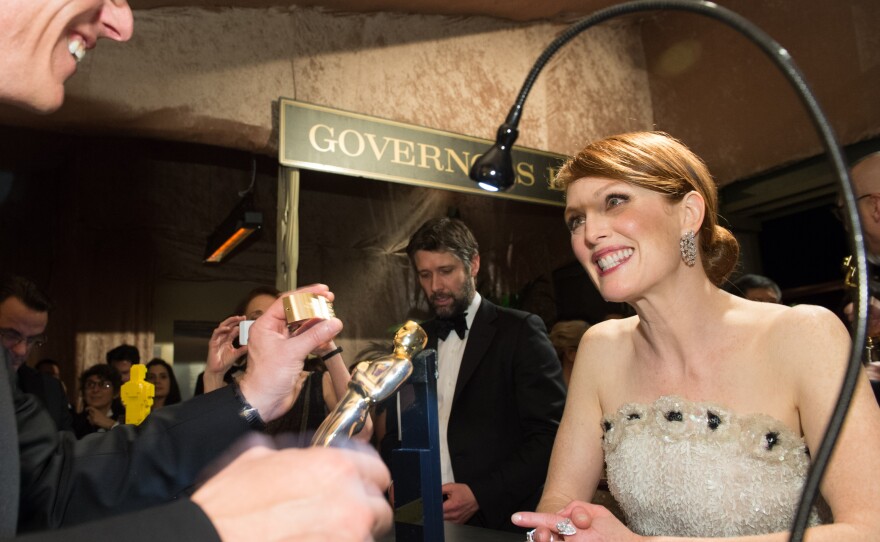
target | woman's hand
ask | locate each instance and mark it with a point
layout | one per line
(221, 352)
(591, 523)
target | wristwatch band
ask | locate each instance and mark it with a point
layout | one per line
(250, 414)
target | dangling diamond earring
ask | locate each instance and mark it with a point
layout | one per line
(688, 247)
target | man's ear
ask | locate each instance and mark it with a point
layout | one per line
(693, 210)
(475, 265)
(875, 208)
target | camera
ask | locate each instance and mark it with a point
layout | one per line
(243, 329)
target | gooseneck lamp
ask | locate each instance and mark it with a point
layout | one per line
(494, 171)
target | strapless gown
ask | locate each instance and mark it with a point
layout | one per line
(682, 468)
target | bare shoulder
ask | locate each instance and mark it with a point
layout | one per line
(604, 350)
(611, 335)
(807, 324)
(810, 339)
(798, 323)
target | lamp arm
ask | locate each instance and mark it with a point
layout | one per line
(782, 59)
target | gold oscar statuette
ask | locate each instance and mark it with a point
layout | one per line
(371, 382)
(850, 280)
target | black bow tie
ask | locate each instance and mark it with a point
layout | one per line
(457, 322)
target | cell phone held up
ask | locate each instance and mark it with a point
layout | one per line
(243, 332)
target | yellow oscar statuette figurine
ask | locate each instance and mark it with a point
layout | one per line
(137, 395)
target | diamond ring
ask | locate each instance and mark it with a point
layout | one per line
(530, 536)
(565, 527)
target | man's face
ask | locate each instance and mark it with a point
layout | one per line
(765, 295)
(866, 180)
(123, 367)
(446, 283)
(42, 41)
(21, 329)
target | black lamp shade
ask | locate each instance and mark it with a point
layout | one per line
(494, 170)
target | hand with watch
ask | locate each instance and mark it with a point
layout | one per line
(276, 355)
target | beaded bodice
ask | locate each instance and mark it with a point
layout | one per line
(681, 468)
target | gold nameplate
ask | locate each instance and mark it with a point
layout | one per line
(299, 307)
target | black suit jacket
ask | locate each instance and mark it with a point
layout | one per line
(506, 408)
(179, 520)
(68, 482)
(48, 390)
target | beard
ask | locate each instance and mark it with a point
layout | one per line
(461, 300)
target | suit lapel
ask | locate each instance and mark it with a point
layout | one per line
(479, 338)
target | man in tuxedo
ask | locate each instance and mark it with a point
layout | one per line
(500, 390)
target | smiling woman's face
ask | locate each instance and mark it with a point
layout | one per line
(42, 41)
(99, 393)
(625, 236)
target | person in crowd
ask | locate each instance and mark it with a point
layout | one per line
(24, 311)
(500, 391)
(865, 176)
(226, 357)
(315, 392)
(703, 405)
(755, 288)
(161, 375)
(52, 368)
(47, 481)
(866, 181)
(49, 367)
(99, 386)
(122, 358)
(565, 336)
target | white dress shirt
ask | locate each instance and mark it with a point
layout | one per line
(449, 354)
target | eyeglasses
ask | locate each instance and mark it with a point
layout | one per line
(98, 384)
(12, 338)
(838, 211)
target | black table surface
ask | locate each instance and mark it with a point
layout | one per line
(466, 533)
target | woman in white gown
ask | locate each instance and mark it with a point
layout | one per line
(704, 405)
